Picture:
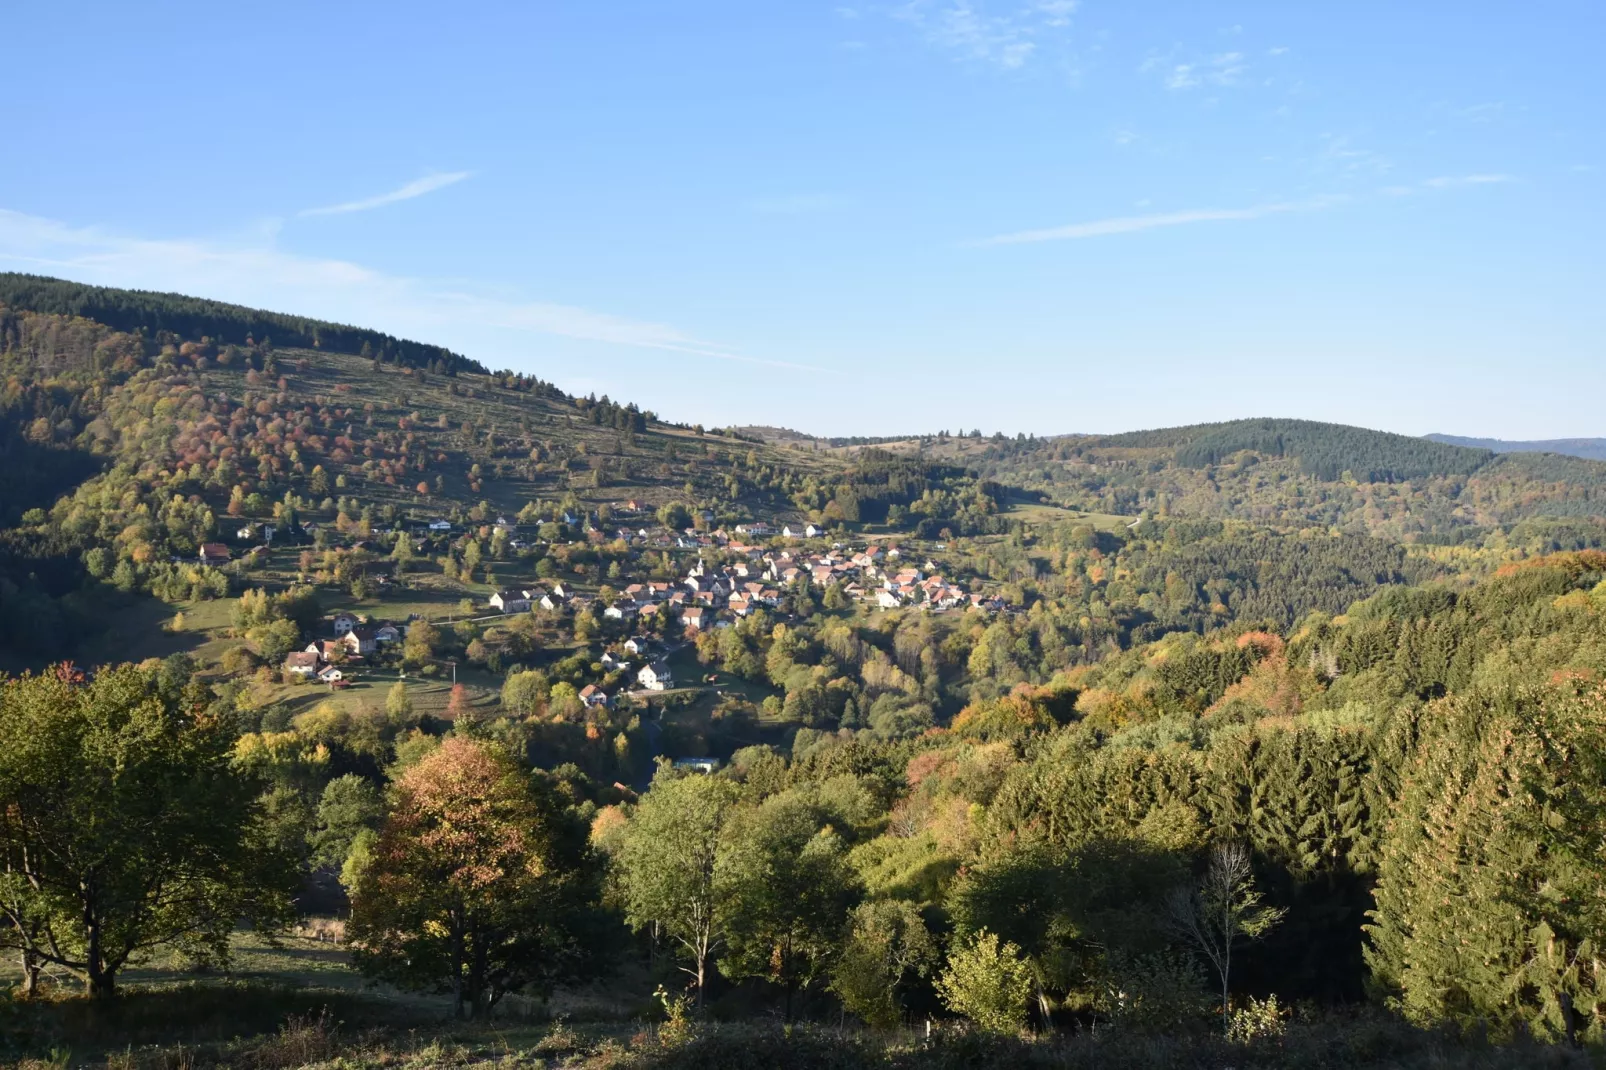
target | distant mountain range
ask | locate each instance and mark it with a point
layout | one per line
(1593, 449)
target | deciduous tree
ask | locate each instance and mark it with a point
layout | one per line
(124, 826)
(478, 884)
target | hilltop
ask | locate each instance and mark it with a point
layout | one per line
(1593, 449)
(1291, 474)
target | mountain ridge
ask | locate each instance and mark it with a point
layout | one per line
(1590, 449)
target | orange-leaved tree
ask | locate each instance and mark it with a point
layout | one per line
(480, 882)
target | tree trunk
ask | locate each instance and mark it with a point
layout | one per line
(30, 974)
(102, 981)
(456, 955)
(788, 976)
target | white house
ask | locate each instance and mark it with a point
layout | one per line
(360, 641)
(302, 663)
(510, 601)
(592, 695)
(440, 525)
(345, 622)
(655, 676)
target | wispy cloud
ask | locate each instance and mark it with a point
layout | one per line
(1135, 223)
(1132, 224)
(262, 275)
(1340, 159)
(1220, 69)
(1446, 182)
(1003, 36)
(416, 188)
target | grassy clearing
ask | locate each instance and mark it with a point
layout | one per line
(1043, 513)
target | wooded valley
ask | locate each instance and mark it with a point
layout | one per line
(366, 706)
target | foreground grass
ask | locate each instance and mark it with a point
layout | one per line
(350, 1034)
(296, 1003)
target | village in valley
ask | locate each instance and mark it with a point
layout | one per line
(620, 614)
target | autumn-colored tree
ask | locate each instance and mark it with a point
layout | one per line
(419, 646)
(479, 884)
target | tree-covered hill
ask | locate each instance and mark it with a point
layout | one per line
(1292, 474)
(195, 317)
(1327, 451)
(1593, 449)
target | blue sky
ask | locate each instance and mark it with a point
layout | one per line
(1033, 215)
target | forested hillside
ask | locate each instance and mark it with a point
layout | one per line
(1412, 789)
(193, 318)
(1292, 474)
(143, 443)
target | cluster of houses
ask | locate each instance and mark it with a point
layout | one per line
(714, 596)
(523, 599)
(330, 661)
(653, 675)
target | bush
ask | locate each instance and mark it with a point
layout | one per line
(988, 983)
(1162, 993)
(1259, 1019)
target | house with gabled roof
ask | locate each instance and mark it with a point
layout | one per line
(360, 641)
(656, 676)
(302, 663)
(510, 601)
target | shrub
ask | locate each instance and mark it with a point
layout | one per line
(1259, 1019)
(988, 983)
